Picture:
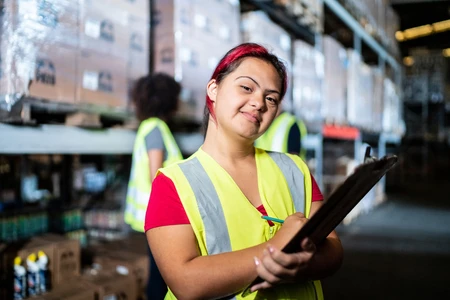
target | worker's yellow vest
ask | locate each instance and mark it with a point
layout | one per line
(139, 186)
(276, 137)
(222, 218)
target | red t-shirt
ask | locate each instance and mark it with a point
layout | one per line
(165, 208)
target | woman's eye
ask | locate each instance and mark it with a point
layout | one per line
(246, 88)
(270, 99)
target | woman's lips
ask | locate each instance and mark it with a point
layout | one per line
(251, 117)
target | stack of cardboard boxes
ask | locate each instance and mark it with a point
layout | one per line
(189, 43)
(258, 28)
(117, 270)
(308, 73)
(359, 92)
(81, 52)
(334, 107)
(63, 262)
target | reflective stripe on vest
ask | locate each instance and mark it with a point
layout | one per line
(139, 185)
(208, 202)
(294, 178)
(201, 183)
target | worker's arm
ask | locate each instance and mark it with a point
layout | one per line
(155, 161)
(155, 150)
(192, 276)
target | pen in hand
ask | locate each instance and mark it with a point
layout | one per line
(273, 219)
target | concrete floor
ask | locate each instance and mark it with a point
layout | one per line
(400, 250)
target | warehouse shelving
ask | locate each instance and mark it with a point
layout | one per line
(66, 140)
(360, 35)
(284, 18)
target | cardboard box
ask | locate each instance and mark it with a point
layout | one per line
(54, 74)
(67, 258)
(359, 92)
(139, 53)
(138, 8)
(104, 28)
(50, 22)
(73, 290)
(307, 83)
(111, 285)
(39, 70)
(258, 28)
(335, 99)
(125, 261)
(101, 79)
(189, 43)
(23, 250)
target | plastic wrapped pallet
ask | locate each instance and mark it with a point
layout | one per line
(39, 40)
(392, 25)
(307, 82)
(80, 52)
(189, 43)
(378, 101)
(391, 117)
(359, 92)
(335, 100)
(258, 28)
(113, 52)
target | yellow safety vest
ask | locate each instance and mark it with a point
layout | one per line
(222, 218)
(139, 186)
(276, 137)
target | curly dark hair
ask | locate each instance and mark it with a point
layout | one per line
(155, 95)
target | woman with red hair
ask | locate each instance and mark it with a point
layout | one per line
(204, 219)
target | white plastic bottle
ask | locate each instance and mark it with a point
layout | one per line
(42, 263)
(20, 280)
(32, 275)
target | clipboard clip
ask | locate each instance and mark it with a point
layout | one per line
(367, 157)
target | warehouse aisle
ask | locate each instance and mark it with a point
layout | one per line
(401, 250)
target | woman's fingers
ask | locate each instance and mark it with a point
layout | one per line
(276, 266)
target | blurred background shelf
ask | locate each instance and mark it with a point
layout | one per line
(61, 139)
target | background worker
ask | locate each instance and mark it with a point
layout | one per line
(204, 222)
(284, 135)
(155, 99)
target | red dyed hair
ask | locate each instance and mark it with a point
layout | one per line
(233, 59)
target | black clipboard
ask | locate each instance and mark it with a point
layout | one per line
(339, 204)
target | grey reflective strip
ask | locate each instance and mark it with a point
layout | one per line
(216, 231)
(294, 178)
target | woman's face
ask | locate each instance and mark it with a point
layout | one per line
(247, 100)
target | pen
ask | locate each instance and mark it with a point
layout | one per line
(272, 219)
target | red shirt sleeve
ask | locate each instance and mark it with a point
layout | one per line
(164, 207)
(316, 193)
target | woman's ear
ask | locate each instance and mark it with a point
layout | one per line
(211, 90)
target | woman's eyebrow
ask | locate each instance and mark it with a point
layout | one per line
(248, 77)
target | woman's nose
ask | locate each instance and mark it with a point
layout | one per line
(257, 102)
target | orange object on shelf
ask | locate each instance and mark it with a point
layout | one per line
(341, 132)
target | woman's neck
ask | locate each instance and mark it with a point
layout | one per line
(225, 149)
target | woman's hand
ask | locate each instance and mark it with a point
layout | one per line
(276, 266)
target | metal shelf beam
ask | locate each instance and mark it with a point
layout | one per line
(60, 139)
